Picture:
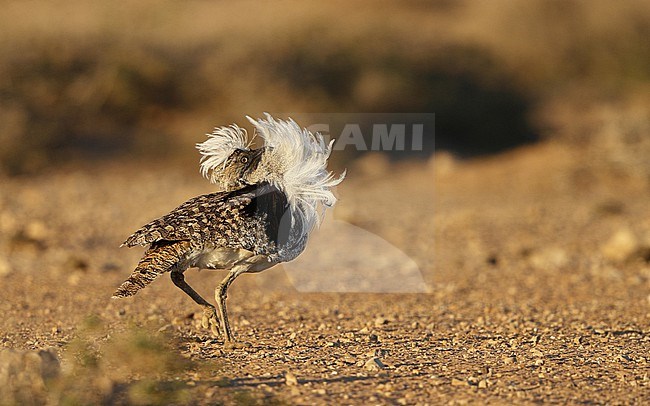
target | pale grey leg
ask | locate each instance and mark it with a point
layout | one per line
(220, 296)
(210, 319)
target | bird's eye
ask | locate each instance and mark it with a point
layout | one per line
(243, 159)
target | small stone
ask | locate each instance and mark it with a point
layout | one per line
(5, 269)
(482, 384)
(442, 164)
(551, 257)
(373, 338)
(510, 359)
(380, 321)
(625, 358)
(621, 246)
(290, 379)
(374, 364)
(458, 382)
(36, 230)
(166, 327)
(364, 330)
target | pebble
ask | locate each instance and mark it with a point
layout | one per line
(552, 257)
(290, 379)
(621, 246)
(166, 327)
(374, 364)
(36, 230)
(5, 269)
(442, 164)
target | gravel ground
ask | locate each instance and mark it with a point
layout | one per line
(524, 279)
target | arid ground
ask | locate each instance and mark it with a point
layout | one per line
(535, 265)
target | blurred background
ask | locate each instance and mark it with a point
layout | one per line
(95, 81)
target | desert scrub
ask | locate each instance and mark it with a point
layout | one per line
(135, 366)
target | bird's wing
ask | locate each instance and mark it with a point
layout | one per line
(190, 220)
(271, 206)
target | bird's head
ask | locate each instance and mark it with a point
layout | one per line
(228, 159)
(238, 169)
(292, 159)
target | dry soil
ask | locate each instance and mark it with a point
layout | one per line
(533, 287)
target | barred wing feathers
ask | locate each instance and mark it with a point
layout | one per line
(189, 220)
(246, 218)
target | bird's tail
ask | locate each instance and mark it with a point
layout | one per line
(157, 260)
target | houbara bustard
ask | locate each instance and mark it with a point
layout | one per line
(270, 200)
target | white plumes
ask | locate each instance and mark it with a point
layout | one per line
(294, 160)
(222, 142)
(297, 165)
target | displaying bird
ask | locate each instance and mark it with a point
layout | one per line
(270, 200)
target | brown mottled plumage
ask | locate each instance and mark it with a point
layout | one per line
(264, 215)
(226, 230)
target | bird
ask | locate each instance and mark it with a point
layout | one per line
(268, 202)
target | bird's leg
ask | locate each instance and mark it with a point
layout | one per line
(220, 296)
(210, 319)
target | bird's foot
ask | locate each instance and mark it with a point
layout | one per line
(210, 320)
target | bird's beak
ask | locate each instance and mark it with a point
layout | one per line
(255, 158)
